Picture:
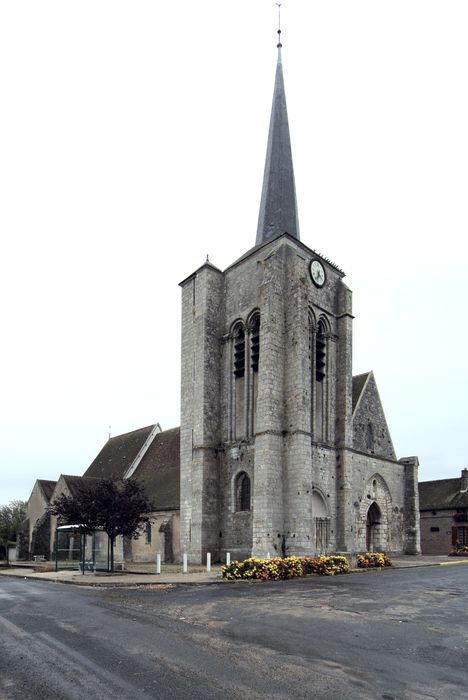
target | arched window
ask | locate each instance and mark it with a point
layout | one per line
(242, 492)
(148, 532)
(238, 385)
(254, 332)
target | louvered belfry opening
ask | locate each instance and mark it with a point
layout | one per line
(255, 343)
(320, 358)
(239, 354)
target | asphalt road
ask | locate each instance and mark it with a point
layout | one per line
(393, 634)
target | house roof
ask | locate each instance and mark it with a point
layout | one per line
(359, 382)
(47, 487)
(442, 494)
(159, 470)
(118, 454)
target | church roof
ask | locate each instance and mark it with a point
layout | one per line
(47, 487)
(118, 454)
(278, 207)
(74, 483)
(159, 470)
(442, 494)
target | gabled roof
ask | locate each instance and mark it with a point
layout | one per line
(47, 487)
(278, 207)
(442, 494)
(76, 482)
(159, 470)
(118, 454)
(359, 382)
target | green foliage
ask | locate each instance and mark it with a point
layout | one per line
(11, 517)
(278, 568)
(118, 507)
(373, 560)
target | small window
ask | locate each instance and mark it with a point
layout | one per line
(242, 492)
(370, 442)
(435, 529)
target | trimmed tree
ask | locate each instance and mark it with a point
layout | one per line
(118, 507)
(11, 518)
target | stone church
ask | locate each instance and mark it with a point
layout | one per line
(282, 450)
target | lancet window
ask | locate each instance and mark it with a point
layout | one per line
(244, 384)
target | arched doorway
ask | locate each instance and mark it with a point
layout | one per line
(321, 523)
(373, 528)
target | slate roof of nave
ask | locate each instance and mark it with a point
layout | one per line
(118, 454)
(158, 472)
(47, 487)
(76, 482)
(442, 494)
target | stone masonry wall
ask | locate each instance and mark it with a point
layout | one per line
(370, 430)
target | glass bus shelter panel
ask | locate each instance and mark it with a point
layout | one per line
(68, 549)
(100, 555)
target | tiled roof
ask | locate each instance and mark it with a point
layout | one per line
(47, 487)
(358, 385)
(442, 494)
(159, 470)
(75, 482)
(118, 454)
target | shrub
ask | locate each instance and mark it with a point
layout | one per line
(278, 568)
(325, 565)
(371, 560)
(460, 551)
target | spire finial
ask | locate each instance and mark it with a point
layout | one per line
(279, 44)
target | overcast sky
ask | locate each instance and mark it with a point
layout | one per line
(132, 144)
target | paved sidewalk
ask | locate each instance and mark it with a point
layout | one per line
(179, 578)
(117, 579)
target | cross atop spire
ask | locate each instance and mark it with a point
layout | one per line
(278, 207)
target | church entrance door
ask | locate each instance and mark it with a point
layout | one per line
(372, 528)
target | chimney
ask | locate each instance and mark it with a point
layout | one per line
(464, 480)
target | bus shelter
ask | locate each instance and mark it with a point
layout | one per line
(76, 550)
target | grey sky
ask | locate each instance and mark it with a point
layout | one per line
(132, 142)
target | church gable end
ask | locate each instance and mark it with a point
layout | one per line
(370, 430)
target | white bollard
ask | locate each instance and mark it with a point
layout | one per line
(208, 561)
(268, 555)
(158, 563)
(184, 564)
(228, 558)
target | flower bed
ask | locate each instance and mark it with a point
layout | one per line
(278, 568)
(373, 560)
(461, 551)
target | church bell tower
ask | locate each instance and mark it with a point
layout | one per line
(269, 459)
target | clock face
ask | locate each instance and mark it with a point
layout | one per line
(317, 272)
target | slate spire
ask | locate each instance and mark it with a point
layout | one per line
(278, 208)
